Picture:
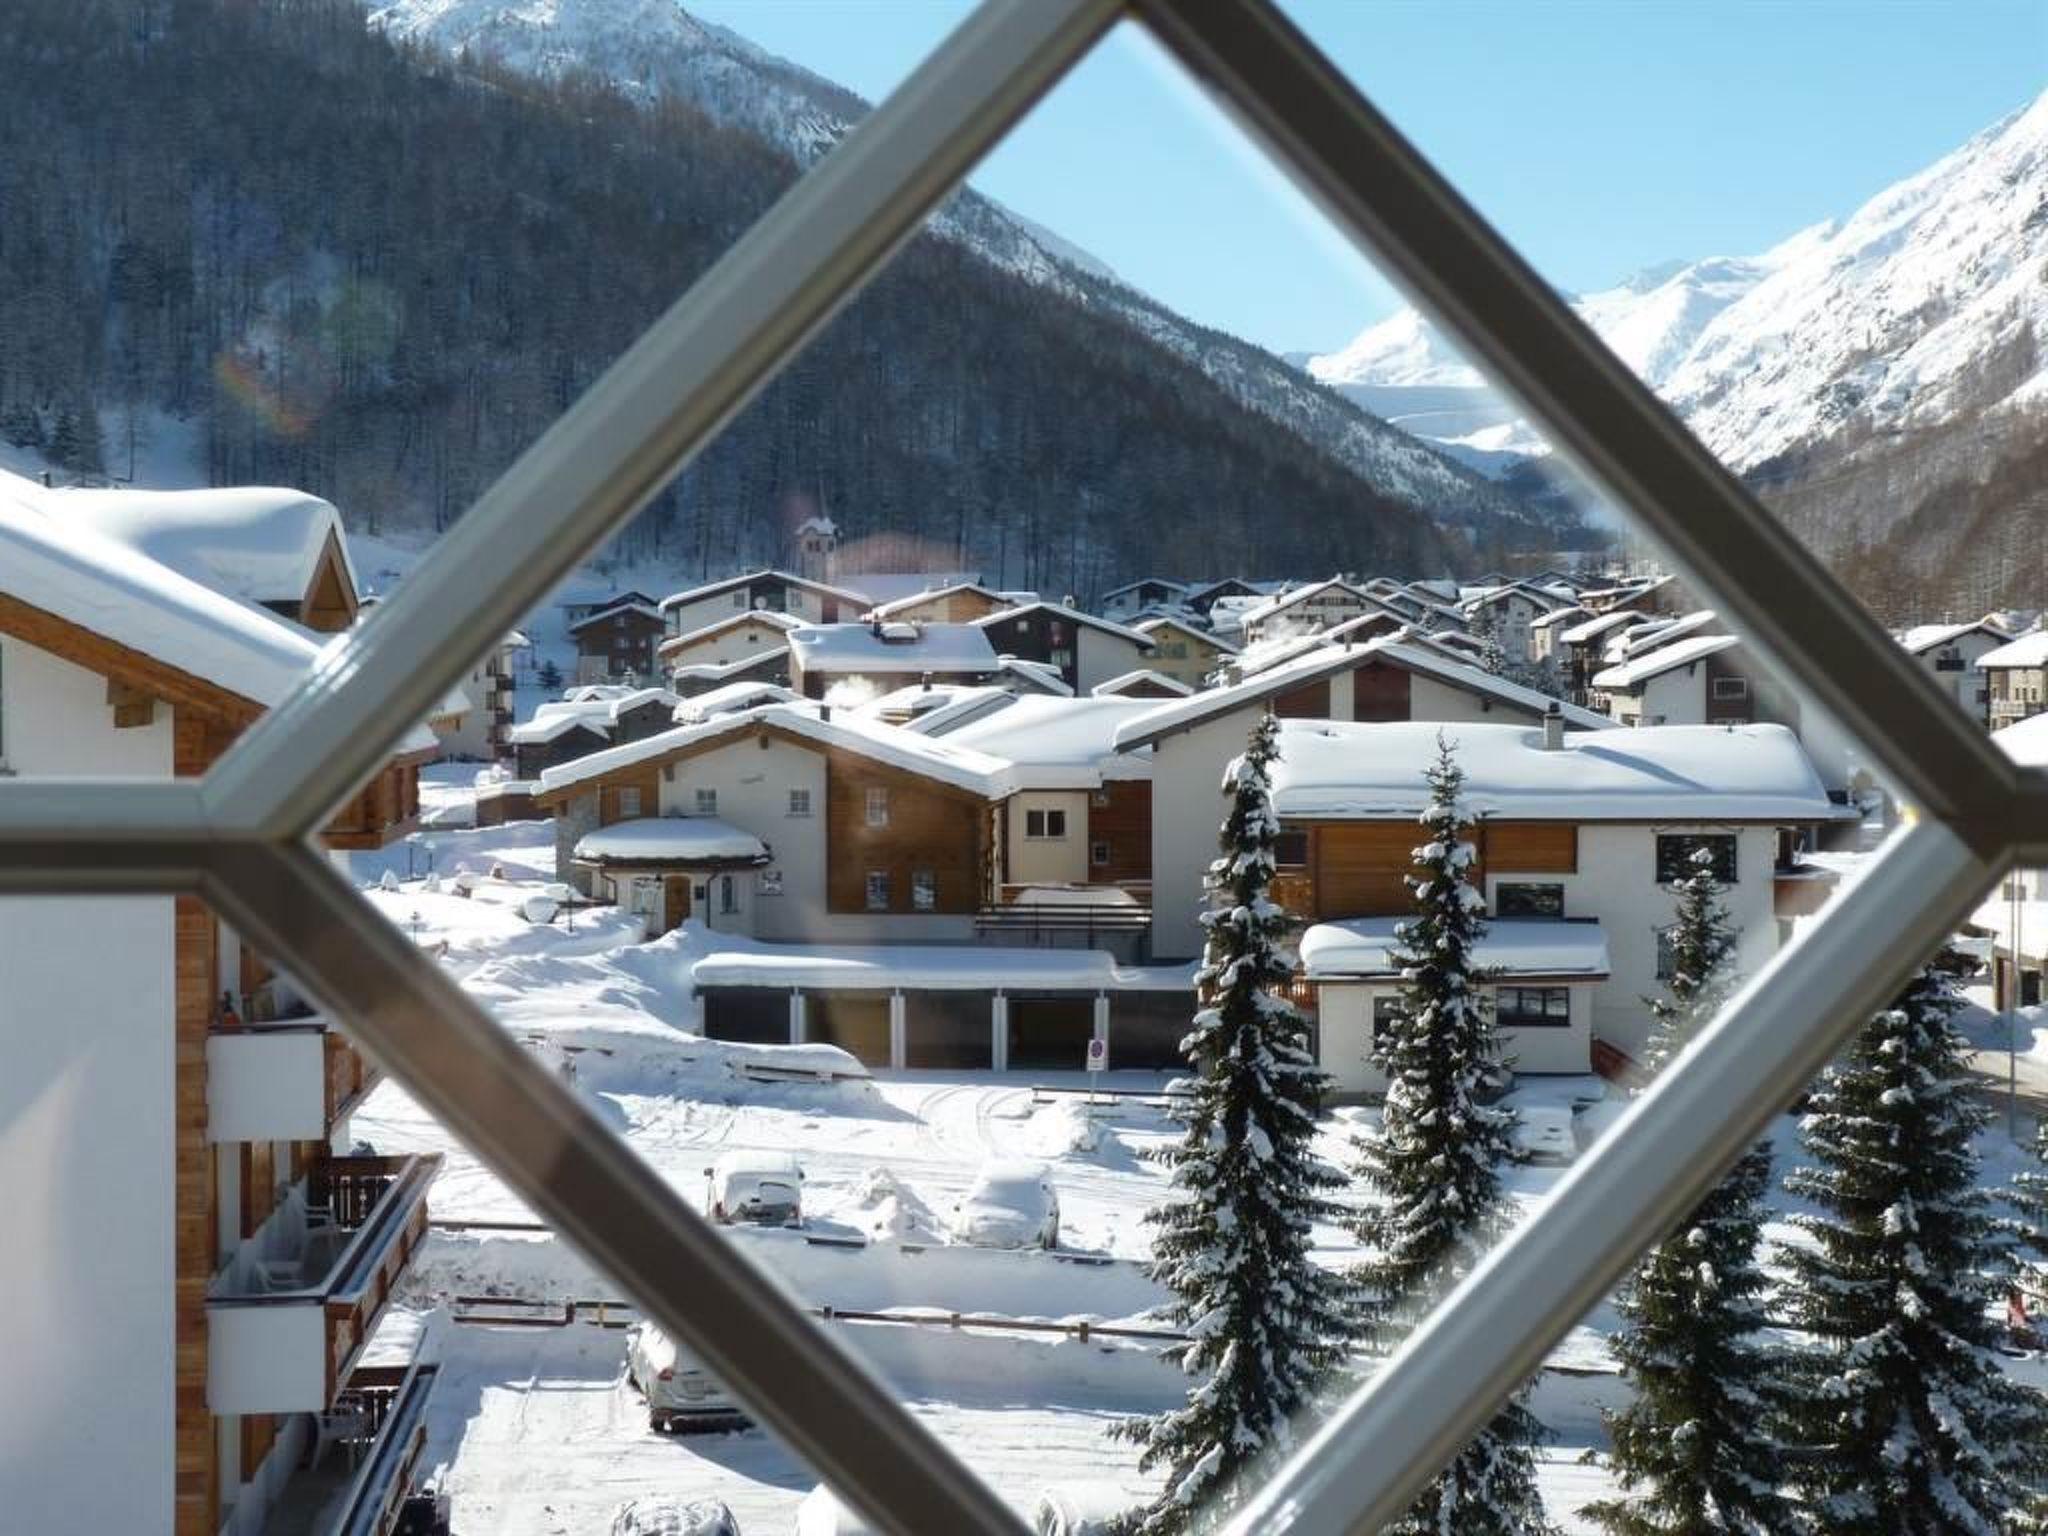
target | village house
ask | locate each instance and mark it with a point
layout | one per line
(1506, 613)
(1192, 740)
(961, 603)
(1313, 606)
(743, 637)
(1951, 652)
(588, 719)
(1545, 628)
(207, 1248)
(1182, 651)
(801, 597)
(479, 731)
(877, 657)
(1084, 649)
(1580, 838)
(2016, 679)
(1580, 648)
(1202, 596)
(616, 644)
(1127, 602)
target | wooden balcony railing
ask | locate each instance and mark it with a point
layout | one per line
(350, 1076)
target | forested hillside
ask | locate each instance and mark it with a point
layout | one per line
(350, 267)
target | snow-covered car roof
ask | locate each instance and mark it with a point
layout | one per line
(755, 1163)
(1364, 946)
(1341, 770)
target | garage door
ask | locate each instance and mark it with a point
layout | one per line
(946, 1029)
(1146, 1029)
(1051, 1032)
(853, 1021)
(754, 1015)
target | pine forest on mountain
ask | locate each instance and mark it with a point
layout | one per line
(358, 269)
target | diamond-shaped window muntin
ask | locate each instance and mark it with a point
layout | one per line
(239, 837)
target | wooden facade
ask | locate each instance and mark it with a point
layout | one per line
(1120, 819)
(931, 830)
(1361, 868)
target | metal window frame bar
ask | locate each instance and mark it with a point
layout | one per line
(235, 836)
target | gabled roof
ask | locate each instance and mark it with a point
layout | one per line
(1657, 634)
(1486, 599)
(892, 647)
(956, 767)
(731, 698)
(912, 600)
(262, 544)
(1339, 770)
(1192, 631)
(2029, 650)
(1661, 659)
(592, 599)
(752, 578)
(1071, 615)
(1142, 676)
(1145, 581)
(1569, 613)
(592, 620)
(1592, 629)
(717, 627)
(1052, 743)
(1039, 676)
(1281, 602)
(1180, 714)
(1925, 637)
(1265, 654)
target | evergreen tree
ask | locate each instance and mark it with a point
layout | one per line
(1233, 1246)
(1694, 1450)
(1435, 1161)
(1910, 1426)
(2029, 1200)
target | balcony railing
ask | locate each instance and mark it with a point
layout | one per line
(1053, 920)
(381, 1418)
(293, 1308)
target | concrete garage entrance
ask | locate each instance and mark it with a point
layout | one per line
(1050, 1031)
(947, 1029)
(856, 1022)
(748, 1015)
(1146, 1029)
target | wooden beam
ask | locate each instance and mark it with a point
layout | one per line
(132, 706)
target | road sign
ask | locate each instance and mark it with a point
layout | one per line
(1098, 1055)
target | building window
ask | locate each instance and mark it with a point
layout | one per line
(878, 805)
(878, 890)
(1523, 899)
(1290, 850)
(799, 802)
(728, 894)
(924, 890)
(629, 802)
(1675, 852)
(1045, 825)
(1532, 1007)
(1098, 854)
(739, 598)
(1731, 687)
(707, 802)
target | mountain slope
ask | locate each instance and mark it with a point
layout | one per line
(1883, 380)
(655, 50)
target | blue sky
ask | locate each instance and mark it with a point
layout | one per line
(1602, 135)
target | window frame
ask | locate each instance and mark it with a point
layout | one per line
(1501, 903)
(799, 802)
(1544, 1017)
(875, 806)
(876, 895)
(705, 798)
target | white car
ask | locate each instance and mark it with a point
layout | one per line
(1012, 1205)
(821, 1514)
(764, 1188)
(1080, 1509)
(659, 1516)
(679, 1391)
(1543, 1133)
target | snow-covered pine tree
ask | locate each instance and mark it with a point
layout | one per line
(2029, 1200)
(1908, 1427)
(1693, 1451)
(1434, 1163)
(1268, 1324)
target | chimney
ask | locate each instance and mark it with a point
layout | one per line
(1553, 728)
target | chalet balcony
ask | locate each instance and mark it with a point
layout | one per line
(289, 1079)
(289, 1314)
(1117, 918)
(362, 1483)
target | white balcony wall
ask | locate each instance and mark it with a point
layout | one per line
(267, 1358)
(266, 1085)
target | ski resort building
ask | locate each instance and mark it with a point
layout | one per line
(210, 1259)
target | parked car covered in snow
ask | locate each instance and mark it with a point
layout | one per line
(1080, 1509)
(1543, 1133)
(764, 1188)
(679, 1391)
(662, 1516)
(822, 1514)
(1012, 1205)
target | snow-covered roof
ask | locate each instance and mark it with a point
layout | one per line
(1178, 714)
(889, 586)
(1280, 602)
(613, 611)
(639, 697)
(960, 767)
(928, 967)
(1925, 637)
(552, 720)
(670, 840)
(1142, 677)
(1136, 637)
(730, 697)
(1592, 629)
(1037, 676)
(899, 647)
(1661, 659)
(1644, 638)
(71, 569)
(1055, 743)
(1488, 596)
(1565, 615)
(1193, 631)
(2029, 650)
(930, 594)
(718, 627)
(259, 543)
(723, 672)
(1142, 582)
(1362, 946)
(1374, 772)
(2025, 741)
(942, 708)
(764, 575)
(1261, 655)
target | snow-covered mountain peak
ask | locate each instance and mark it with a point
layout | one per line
(1404, 350)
